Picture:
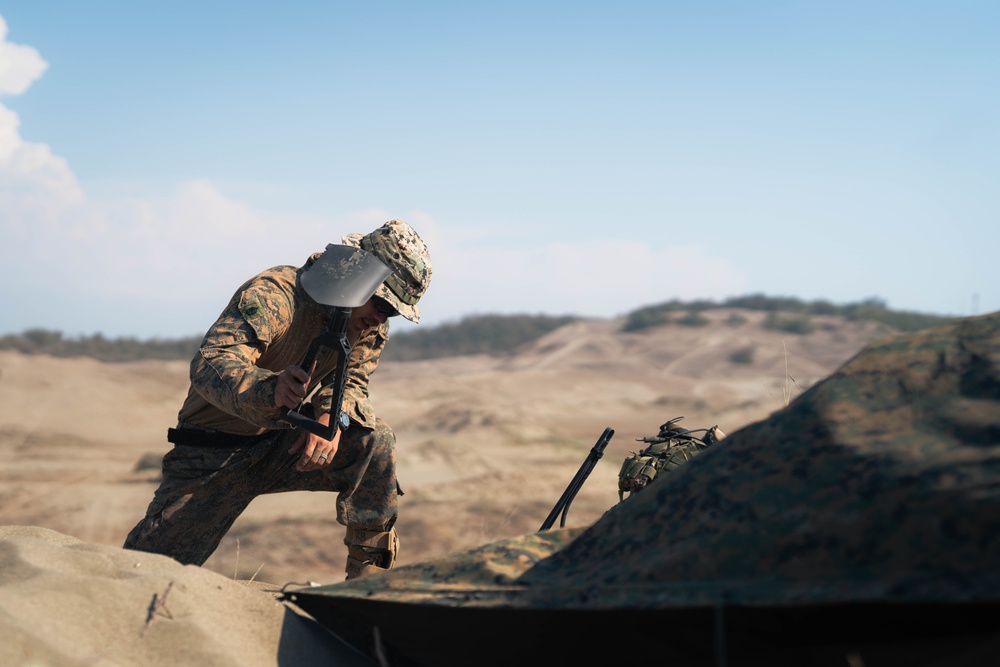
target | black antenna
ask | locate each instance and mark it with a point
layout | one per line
(581, 476)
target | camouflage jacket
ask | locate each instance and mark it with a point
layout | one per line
(267, 326)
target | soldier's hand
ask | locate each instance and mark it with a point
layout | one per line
(293, 385)
(316, 452)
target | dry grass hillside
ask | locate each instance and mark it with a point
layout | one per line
(486, 445)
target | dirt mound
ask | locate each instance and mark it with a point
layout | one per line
(65, 602)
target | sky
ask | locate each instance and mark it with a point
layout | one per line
(562, 158)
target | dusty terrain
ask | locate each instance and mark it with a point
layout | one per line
(486, 445)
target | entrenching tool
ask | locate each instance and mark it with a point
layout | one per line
(343, 278)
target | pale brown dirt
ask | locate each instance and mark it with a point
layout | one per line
(486, 446)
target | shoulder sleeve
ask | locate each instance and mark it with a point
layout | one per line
(224, 371)
(364, 358)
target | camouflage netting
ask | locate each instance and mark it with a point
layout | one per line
(879, 484)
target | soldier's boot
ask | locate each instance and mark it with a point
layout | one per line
(370, 551)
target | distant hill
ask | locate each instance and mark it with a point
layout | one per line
(502, 334)
(788, 313)
(54, 343)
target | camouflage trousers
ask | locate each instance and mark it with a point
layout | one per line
(205, 489)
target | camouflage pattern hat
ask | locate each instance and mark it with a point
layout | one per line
(401, 248)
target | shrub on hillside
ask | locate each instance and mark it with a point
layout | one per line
(790, 323)
(646, 320)
(744, 355)
(43, 341)
(693, 319)
(650, 316)
(478, 334)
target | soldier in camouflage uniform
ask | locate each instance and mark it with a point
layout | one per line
(230, 444)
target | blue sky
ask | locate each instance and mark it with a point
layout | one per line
(559, 157)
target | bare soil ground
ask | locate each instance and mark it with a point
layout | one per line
(486, 445)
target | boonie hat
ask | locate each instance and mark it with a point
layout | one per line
(400, 248)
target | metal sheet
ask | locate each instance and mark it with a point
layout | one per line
(344, 276)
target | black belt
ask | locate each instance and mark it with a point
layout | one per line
(189, 436)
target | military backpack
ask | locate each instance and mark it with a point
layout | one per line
(667, 450)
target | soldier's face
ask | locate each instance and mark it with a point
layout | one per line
(372, 314)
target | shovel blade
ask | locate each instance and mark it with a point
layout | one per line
(344, 276)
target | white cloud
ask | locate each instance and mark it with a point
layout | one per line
(186, 248)
(36, 187)
(137, 265)
(20, 66)
(198, 240)
(592, 278)
(187, 252)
